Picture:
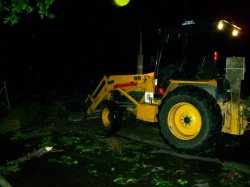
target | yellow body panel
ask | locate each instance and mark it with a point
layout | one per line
(175, 83)
(233, 113)
(147, 112)
(211, 82)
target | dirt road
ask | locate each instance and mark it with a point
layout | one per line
(82, 155)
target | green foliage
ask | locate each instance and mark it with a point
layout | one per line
(14, 9)
(84, 149)
(93, 172)
(47, 142)
(125, 181)
(133, 147)
(65, 160)
(182, 182)
(158, 181)
(18, 136)
(69, 140)
(9, 169)
(139, 166)
(231, 178)
(180, 172)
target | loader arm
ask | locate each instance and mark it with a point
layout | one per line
(100, 93)
(124, 84)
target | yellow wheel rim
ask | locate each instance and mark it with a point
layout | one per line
(184, 121)
(105, 117)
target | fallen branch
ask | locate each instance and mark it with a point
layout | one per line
(4, 182)
(28, 156)
(36, 153)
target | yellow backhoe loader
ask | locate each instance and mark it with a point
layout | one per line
(192, 109)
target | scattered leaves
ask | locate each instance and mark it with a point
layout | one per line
(18, 136)
(64, 160)
(47, 142)
(125, 181)
(182, 182)
(159, 182)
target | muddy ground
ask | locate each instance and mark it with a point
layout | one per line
(82, 155)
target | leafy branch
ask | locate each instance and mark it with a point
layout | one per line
(13, 10)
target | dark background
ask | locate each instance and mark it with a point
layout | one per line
(88, 39)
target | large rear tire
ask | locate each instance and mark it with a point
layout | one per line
(190, 119)
(111, 117)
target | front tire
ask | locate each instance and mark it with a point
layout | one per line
(190, 119)
(111, 117)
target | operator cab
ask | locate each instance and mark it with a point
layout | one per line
(195, 51)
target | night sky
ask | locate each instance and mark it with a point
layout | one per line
(88, 39)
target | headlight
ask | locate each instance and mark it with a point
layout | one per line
(220, 25)
(228, 27)
(235, 32)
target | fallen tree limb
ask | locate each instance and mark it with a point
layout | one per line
(28, 156)
(4, 182)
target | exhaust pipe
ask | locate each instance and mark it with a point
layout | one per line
(140, 57)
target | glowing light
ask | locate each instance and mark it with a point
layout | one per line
(220, 25)
(235, 32)
(121, 2)
(227, 26)
(48, 149)
(215, 56)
